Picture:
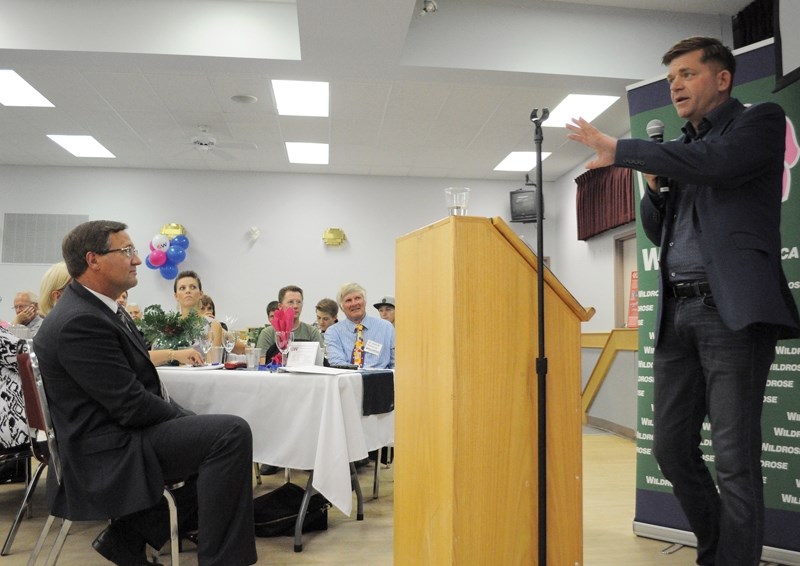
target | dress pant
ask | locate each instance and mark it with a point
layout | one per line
(218, 450)
(703, 368)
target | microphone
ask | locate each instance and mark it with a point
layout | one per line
(655, 131)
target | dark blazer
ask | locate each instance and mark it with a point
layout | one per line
(102, 390)
(736, 170)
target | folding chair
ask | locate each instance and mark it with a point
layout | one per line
(35, 448)
(32, 380)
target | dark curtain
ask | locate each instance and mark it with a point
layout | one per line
(754, 23)
(604, 200)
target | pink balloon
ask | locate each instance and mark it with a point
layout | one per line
(157, 257)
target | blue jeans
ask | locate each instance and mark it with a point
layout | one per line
(703, 368)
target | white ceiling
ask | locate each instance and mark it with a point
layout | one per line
(447, 94)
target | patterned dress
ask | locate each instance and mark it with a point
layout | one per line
(13, 426)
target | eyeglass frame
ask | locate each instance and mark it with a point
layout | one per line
(128, 251)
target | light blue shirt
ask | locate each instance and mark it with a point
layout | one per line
(340, 339)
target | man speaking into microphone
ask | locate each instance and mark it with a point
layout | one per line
(723, 298)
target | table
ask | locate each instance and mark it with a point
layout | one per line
(307, 421)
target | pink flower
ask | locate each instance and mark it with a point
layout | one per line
(790, 158)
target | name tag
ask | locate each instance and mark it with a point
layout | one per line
(373, 347)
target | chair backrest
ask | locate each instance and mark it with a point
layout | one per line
(37, 410)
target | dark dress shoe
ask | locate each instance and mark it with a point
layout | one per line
(112, 546)
(268, 469)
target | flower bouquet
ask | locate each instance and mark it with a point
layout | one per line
(168, 331)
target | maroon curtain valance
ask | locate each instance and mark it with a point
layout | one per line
(604, 200)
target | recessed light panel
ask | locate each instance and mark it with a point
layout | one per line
(308, 153)
(15, 91)
(520, 161)
(301, 98)
(82, 146)
(586, 106)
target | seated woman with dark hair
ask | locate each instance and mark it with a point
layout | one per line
(188, 291)
(206, 308)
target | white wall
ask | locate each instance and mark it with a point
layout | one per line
(218, 208)
(292, 211)
(585, 268)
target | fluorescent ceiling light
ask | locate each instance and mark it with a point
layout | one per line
(586, 106)
(82, 146)
(309, 153)
(520, 161)
(301, 98)
(15, 91)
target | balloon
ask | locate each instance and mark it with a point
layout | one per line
(160, 242)
(176, 254)
(151, 245)
(149, 264)
(169, 271)
(157, 258)
(181, 241)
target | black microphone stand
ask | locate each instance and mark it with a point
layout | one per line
(541, 361)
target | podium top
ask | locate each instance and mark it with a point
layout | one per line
(499, 225)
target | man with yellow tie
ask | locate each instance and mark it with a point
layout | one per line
(361, 340)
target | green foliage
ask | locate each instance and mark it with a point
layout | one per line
(168, 331)
(253, 332)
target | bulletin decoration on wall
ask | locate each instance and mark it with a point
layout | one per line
(167, 250)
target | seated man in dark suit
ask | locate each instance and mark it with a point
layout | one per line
(119, 434)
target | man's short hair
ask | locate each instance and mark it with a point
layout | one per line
(88, 237)
(284, 290)
(329, 307)
(348, 288)
(713, 50)
(272, 306)
(187, 273)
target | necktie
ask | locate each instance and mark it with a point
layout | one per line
(358, 349)
(130, 326)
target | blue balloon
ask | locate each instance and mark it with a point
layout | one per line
(181, 241)
(176, 254)
(168, 271)
(148, 264)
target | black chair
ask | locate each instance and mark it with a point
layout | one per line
(32, 382)
(35, 448)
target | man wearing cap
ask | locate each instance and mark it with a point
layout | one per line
(386, 308)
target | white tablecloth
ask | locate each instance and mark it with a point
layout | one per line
(299, 420)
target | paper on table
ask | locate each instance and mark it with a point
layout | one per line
(192, 368)
(304, 354)
(315, 369)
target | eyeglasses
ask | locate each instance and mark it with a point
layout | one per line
(127, 251)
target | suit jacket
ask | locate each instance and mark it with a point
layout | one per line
(736, 170)
(102, 390)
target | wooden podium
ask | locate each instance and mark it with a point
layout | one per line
(465, 387)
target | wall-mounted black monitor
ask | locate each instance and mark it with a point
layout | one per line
(523, 205)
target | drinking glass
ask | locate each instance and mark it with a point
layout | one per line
(282, 340)
(206, 342)
(228, 340)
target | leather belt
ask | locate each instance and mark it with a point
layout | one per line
(689, 289)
